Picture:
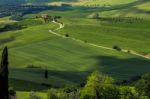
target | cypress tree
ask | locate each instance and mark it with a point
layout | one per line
(46, 74)
(4, 75)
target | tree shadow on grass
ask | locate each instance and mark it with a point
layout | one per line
(122, 69)
(23, 85)
(28, 79)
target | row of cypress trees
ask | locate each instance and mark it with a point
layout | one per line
(4, 75)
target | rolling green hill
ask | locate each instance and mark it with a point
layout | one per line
(127, 33)
(69, 60)
(73, 2)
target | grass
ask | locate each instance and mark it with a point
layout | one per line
(109, 33)
(145, 6)
(6, 20)
(23, 36)
(68, 61)
(91, 3)
(63, 56)
(102, 2)
(74, 2)
(25, 95)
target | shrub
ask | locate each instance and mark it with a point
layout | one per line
(94, 16)
(12, 92)
(16, 16)
(52, 94)
(129, 51)
(117, 48)
(143, 85)
(74, 95)
(65, 93)
(110, 92)
(33, 66)
(70, 89)
(128, 93)
(66, 35)
(85, 41)
(33, 95)
(9, 27)
(97, 86)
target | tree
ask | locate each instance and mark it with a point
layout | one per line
(143, 85)
(4, 75)
(66, 35)
(99, 86)
(33, 95)
(52, 94)
(56, 18)
(117, 48)
(46, 74)
(94, 16)
(16, 16)
(12, 94)
(128, 93)
(46, 18)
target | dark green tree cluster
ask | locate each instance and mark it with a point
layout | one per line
(100, 86)
(94, 16)
(16, 16)
(56, 18)
(4, 75)
(47, 18)
(143, 85)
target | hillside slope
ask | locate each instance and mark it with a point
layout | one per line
(74, 2)
(33, 49)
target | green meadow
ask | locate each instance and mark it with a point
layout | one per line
(33, 48)
(25, 95)
(63, 56)
(109, 33)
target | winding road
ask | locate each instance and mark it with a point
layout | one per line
(61, 25)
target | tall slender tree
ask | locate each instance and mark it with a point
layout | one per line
(46, 74)
(4, 75)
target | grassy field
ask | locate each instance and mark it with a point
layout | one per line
(69, 61)
(145, 6)
(6, 20)
(65, 58)
(127, 33)
(90, 3)
(25, 95)
(74, 2)
(102, 2)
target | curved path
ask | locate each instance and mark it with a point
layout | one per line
(61, 25)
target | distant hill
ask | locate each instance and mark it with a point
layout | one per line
(125, 8)
(74, 2)
(8, 2)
